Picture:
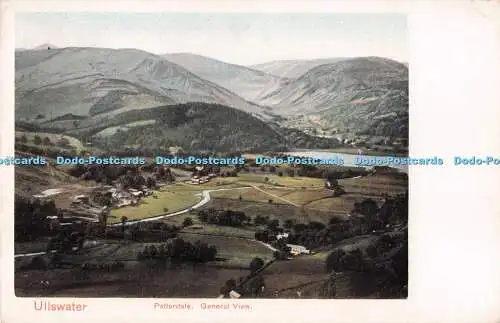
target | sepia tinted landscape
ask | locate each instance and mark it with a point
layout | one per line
(209, 231)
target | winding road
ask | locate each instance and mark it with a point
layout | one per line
(205, 199)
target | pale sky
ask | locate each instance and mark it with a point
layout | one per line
(231, 37)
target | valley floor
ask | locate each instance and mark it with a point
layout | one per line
(283, 198)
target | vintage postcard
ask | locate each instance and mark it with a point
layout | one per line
(198, 164)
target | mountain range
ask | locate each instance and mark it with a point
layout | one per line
(251, 84)
(292, 68)
(96, 81)
(81, 90)
(350, 94)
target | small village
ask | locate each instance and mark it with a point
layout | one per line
(204, 212)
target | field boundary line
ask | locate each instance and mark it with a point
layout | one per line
(276, 196)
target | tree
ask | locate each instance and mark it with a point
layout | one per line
(335, 220)
(150, 182)
(255, 286)
(371, 251)
(187, 222)
(288, 224)
(127, 181)
(24, 139)
(37, 140)
(368, 207)
(334, 261)
(262, 236)
(273, 224)
(329, 288)
(256, 264)
(139, 181)
(46, 141)
(385, 243)
(260, 220)
(123, 220)
(39, 262)
(231, 284)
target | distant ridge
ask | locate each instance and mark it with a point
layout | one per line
(293, 68)
(364, 94)
(90, 81)
(251, 84)
(44, 46)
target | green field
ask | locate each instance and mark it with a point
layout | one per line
(281, 212)
(250, 194)
(169, 198)
(375, 185)
(302, 197)
(54, 138)
(234, 251)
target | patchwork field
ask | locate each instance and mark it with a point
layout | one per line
(144, 279)
(135, 280)
(168, 201)
(54, 139)
(284, 198)
(281, 212)
(234, 251)
(376, 184)
(173, 198)
(288, 277)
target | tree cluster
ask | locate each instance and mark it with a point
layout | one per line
(179, 250)
(30, 218)
(251, 286)
(143, 231)
(223, 217)
(366, 217)
(381, 268)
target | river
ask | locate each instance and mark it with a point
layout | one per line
(349, 159)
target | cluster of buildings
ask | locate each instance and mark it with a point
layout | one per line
(295, 250)
(121, 197)
(298, 250)
(89, 206)
(196, 179)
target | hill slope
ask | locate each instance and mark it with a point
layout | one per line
(194, 127)
(368, 95)
(292, 68)
(248, 83)
(95, 81)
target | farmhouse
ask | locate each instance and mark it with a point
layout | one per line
(199, 180)
(135, 193)
(282, 235)
(298, 250)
